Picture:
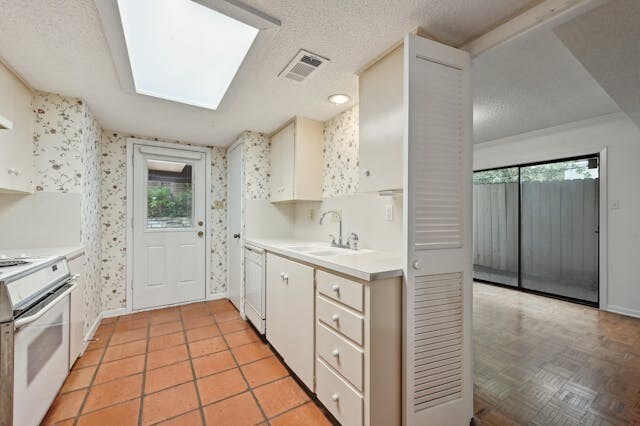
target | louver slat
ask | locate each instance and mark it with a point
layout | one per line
(438, 184)
(438, 339)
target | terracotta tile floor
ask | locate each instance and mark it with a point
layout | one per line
(191, 365)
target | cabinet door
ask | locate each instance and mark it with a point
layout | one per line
(76, 320)
(290, 322)
(16, 145)
(437, 236)
(282, 164)
(381, 126)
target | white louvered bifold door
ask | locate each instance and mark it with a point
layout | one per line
(437, 235)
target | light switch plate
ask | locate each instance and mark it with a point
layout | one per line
(388, 212)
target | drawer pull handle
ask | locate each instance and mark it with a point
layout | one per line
(335, 397)
(335, 288)
(335, 317)
(335, 353)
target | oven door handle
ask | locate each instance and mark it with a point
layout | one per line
(22, 322)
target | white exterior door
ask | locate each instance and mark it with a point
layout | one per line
(437, 235)
(169, 226)
(234, 227)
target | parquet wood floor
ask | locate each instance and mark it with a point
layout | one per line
(541, 361)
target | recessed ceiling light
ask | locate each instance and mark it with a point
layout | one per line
(182, 51)
(339, 99)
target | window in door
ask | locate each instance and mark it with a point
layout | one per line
(169, 195)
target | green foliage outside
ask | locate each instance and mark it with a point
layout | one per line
(541, 173)
(163, 203)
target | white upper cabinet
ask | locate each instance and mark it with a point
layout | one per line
(16, 143)
(296, 161)
(381, 124)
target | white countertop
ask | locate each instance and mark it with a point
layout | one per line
(368, 265)
(70, 252)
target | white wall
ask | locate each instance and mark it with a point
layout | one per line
(363, 214)
(23, 223)
(622, 139)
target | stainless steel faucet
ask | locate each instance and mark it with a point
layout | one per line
(352, 241)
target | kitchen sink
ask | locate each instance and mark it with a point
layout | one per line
(328, 252)
(302, 248)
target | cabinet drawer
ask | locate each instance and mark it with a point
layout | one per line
(343, 356)
(340, 319)
(337, 396)
(341, 289)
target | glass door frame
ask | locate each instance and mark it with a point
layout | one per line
(519, 287)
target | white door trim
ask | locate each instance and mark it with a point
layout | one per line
(603, 236)
(131, 143)
(603, 219)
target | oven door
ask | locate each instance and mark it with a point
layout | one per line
(41, 356)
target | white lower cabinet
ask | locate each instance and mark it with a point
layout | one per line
(344, 332)
(359, 349)
(290, 324)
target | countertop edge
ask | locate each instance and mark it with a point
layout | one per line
(346, 270)
(69, 252)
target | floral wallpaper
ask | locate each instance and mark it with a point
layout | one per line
(66, 159)
(57, 143)
(218, 220)
(341, 168)
(256, 165)
(113, 168)
(90, 229)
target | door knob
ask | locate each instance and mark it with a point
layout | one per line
(236, 235)
(416, 264)
(200, 234)
(200, 223)
(335, 317)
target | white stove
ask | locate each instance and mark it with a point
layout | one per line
(34, 335)
(28, 280)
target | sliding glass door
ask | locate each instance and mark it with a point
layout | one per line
(495, 226)
(546, 241)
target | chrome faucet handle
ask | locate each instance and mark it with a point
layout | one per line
(352, 241)
(333, 240)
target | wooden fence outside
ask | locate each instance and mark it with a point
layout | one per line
(559, 229)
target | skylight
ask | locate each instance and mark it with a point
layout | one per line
(182, 51)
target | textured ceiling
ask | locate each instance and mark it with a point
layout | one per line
(530, 84)
(58, 46)
(607, 42)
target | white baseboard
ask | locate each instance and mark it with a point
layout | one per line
(114, 313)
(623, 311)
(91, 332)
(216, 296)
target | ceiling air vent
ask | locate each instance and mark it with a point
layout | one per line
(303, 66)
